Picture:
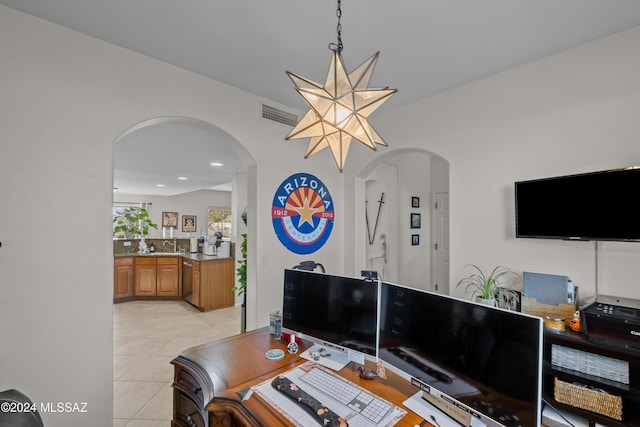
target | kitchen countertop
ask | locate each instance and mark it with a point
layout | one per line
(188, 255)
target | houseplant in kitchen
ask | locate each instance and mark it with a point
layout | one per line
(486, 287)
(132, 221)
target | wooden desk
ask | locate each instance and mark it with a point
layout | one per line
(208, 378)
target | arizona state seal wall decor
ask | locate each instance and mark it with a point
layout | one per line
(302, 213)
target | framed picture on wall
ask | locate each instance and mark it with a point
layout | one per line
(415, 202)
(170, 219)
(189, 223)
(415, 220)
(415, 239)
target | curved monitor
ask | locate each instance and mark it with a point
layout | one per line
(340, 312)
(480, 365)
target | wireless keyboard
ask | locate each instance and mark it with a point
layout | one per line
(355, 398)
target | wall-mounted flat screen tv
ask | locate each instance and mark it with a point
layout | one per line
(591, 206)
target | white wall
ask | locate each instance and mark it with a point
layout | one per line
(238, 205)
(414, 170)
(384, 179)
(573, 112)
(66, 98)
(400, 177)
(439, 178)
(193, 203)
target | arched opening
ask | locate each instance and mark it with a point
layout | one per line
(179, 144)
(167, 337)
(402, 200)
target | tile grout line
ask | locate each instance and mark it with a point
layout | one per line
(226, 324)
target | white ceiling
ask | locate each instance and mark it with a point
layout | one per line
(172, 157)
(426, 47)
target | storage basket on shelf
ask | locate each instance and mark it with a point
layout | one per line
(590, 363)
(599, 402)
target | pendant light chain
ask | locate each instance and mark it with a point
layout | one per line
(337, 47)
(340, 114)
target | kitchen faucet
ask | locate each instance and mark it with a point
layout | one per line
(174, 244)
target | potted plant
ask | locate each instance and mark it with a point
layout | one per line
(132, 221)
(242, 269)
(485, 287)
(242, 281)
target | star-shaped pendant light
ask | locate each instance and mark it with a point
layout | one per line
(339, 109)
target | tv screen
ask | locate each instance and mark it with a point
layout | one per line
(331, 309)
(591, 206)
(485, 362)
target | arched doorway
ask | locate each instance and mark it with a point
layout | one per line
(175, 147)
(144, 341)
(396, 197)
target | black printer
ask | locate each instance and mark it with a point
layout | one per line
(612, 320)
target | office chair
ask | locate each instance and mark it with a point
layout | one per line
(309, 266)
(20, 418)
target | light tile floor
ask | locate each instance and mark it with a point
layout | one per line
(147, 335)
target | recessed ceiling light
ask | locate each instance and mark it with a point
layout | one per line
(184, 178)
(217, 164)
(160, 185)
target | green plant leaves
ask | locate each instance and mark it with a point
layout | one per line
(487, 286)
(242, 269)
(133, 220)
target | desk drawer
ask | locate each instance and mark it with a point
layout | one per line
(185, 380)
(186, 412)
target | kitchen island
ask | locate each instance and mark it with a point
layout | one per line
(204, 281)
(209, 286)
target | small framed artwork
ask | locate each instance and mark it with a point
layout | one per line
(415, 202)
(188, 223)
(170, 219)
(415, 239)
(415, 220)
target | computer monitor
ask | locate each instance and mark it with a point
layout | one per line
(339, 312)
(478, 364)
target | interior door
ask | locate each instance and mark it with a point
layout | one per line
(441, 244)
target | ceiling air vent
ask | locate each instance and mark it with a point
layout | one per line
(277, 115)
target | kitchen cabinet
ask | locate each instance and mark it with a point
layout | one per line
(208, 285)
(167, 276)
(606, 375)
(122, 278)
(157, 276)
(195, 280)
(145, 274)
(212, 283)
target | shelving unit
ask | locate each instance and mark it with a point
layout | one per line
(629, 393)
